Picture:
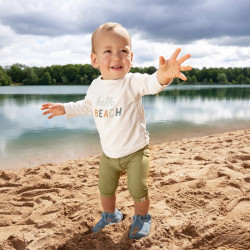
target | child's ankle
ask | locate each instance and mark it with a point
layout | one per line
(110, 211)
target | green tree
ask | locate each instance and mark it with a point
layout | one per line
(16, 73)
(198, 75)
(205, 81)
(229, 74)
(39, 71)
(222, 78)
(31, 77)
(137, 69)
(204, 74)
(65, 80)
(5, 80)
(236, 73)
(90, 71)
(70, 72)
(45, 79)
(84, 80)
(176, 81)
(151, 70)
(56, 72)
(84, 74)
(193, 79)
(240, 79)
(247, 80)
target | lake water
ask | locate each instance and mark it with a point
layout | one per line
(27, 138)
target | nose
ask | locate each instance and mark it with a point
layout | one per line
(116, 57)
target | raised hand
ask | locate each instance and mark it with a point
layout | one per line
(171, 68)
(55, 109)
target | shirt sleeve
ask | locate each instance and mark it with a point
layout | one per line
(144, 84)
(82, 107)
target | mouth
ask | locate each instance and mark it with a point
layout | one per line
(117, 67)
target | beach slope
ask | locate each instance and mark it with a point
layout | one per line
(199, 190)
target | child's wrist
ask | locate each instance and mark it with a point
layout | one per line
(167, 81)
(163, 80)
(62, 108)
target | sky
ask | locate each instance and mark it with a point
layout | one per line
(46, 32)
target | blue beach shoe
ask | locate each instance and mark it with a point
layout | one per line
(140, 226)
(107, 219)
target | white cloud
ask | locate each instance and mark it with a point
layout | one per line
(41, 33)
(203, 53)
(42, 51)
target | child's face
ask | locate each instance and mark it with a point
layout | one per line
(113, 54)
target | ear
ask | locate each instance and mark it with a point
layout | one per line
(132, 55)
(94, 60)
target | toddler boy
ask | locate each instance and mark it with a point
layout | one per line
(115, 100)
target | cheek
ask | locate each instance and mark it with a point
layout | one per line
(104, 61)
(128, 60)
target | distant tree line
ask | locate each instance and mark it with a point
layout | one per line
(79, 74)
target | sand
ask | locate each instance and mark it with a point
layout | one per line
(199, 190)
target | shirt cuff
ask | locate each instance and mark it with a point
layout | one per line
(159, 86)
(67, 110)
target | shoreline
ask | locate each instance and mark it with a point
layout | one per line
(156, 140)
(199, 189)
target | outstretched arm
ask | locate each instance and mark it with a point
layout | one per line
(171, 68)
(55, 109)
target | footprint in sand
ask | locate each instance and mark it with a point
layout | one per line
(199, 158)
(247, 179)
(16, 242)
(38, 191)
(239, 205)
(246, 164)
(239, 208)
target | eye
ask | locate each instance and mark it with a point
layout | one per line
(124, 51)
(107, 51)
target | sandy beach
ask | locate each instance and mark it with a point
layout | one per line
(199, 189)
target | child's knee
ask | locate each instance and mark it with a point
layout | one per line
(107, 190)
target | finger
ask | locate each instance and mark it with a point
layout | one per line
(161, 60)
(43, 107)
(46, 105)
(46, 112)
(186, 68)
(183, 58)
(182, 77)
(176, 53)
(51, 116)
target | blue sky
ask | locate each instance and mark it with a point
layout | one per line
(44, 32)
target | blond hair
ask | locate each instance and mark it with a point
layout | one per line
(106, 27)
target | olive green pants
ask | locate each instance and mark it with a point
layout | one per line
(136, 166)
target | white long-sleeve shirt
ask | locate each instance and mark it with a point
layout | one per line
(118, 111)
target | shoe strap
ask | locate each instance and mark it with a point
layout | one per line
(138, 218)
(104, 216)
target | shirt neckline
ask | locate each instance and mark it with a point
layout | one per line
(111, 81)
